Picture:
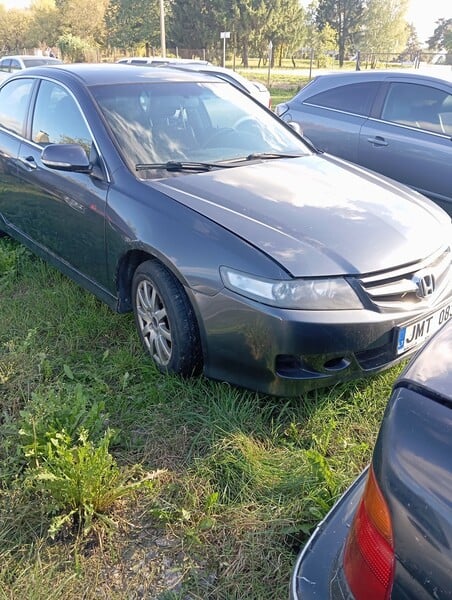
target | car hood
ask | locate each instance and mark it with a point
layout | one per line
(316, 215)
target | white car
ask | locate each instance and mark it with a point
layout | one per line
(254, 88)
(157, 61)
(11, 64)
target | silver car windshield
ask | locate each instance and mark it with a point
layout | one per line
(156, 123)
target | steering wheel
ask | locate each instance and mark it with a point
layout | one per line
(246, 123)
(217, 136)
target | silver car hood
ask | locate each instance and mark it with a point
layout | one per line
(316, 215)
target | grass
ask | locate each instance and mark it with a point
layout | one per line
(117, 482)
(282, 84)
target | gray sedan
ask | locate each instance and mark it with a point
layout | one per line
(243, 252)
(396, 123)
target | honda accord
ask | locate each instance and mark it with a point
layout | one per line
(244, 253)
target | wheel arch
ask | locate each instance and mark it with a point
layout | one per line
(127, 266)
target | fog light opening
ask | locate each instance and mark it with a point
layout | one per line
(336, 364)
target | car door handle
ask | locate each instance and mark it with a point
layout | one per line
(28, 161)
(377, 141)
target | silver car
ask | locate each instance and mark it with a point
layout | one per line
(396, 123)
(11, 64)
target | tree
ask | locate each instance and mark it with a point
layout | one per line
(322, 42)
(132, 23)
(83, 18)
(197, 23)
(14, 25)
(345, 17)
(385, 27)
(442, 36)
(72, 48)
(45, 19)
(286, 27)
(413, 46)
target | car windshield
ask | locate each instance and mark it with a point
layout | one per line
(158, 123)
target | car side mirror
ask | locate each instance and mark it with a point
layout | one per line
(66, 157)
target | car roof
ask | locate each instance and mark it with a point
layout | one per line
(144, 60)
(229, 74)
(201, 66)
(28, 57)
(115, 73)
(433, 74)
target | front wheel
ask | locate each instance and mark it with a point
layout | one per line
(165, 320)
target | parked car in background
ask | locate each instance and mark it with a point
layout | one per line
(12, 64)
(242, 251)
(158, 61)
(256, 89)
(390, 535)
(396, 123)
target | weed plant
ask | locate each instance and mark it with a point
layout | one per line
(119, 482)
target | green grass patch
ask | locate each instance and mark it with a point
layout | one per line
(116, 481)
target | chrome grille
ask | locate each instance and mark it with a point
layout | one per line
(423, 283)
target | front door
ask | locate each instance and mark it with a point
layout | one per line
(61, 212)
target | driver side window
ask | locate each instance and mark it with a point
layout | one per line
(57, 118)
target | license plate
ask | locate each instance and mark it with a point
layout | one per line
(415, 333)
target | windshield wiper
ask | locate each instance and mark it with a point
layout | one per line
(175, 165)
(258, 155)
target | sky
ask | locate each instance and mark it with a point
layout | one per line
(421, 13)
(424, 13)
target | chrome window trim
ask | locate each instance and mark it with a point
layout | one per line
(377, 120)
(337, 110)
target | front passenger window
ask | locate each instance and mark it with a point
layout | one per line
(57, 118)
(419, 106)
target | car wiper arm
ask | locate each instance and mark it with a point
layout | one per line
(258, 155)
(175, 165)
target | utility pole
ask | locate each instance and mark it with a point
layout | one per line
(162, 29)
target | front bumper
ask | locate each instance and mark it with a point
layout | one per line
(289, 352)
(318, 573)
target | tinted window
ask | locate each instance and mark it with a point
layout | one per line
(353, 98)
(4, 64)
(420, 106)
(57, 118)
(14, 98)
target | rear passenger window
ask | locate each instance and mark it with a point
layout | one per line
(355, 98)
(14, 98)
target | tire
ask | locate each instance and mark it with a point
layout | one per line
(165, 320)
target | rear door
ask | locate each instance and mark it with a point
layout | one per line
(411, 141)
(332, 119)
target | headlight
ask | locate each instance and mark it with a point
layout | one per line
(304, 294)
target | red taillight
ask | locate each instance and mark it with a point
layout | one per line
(369, 552)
